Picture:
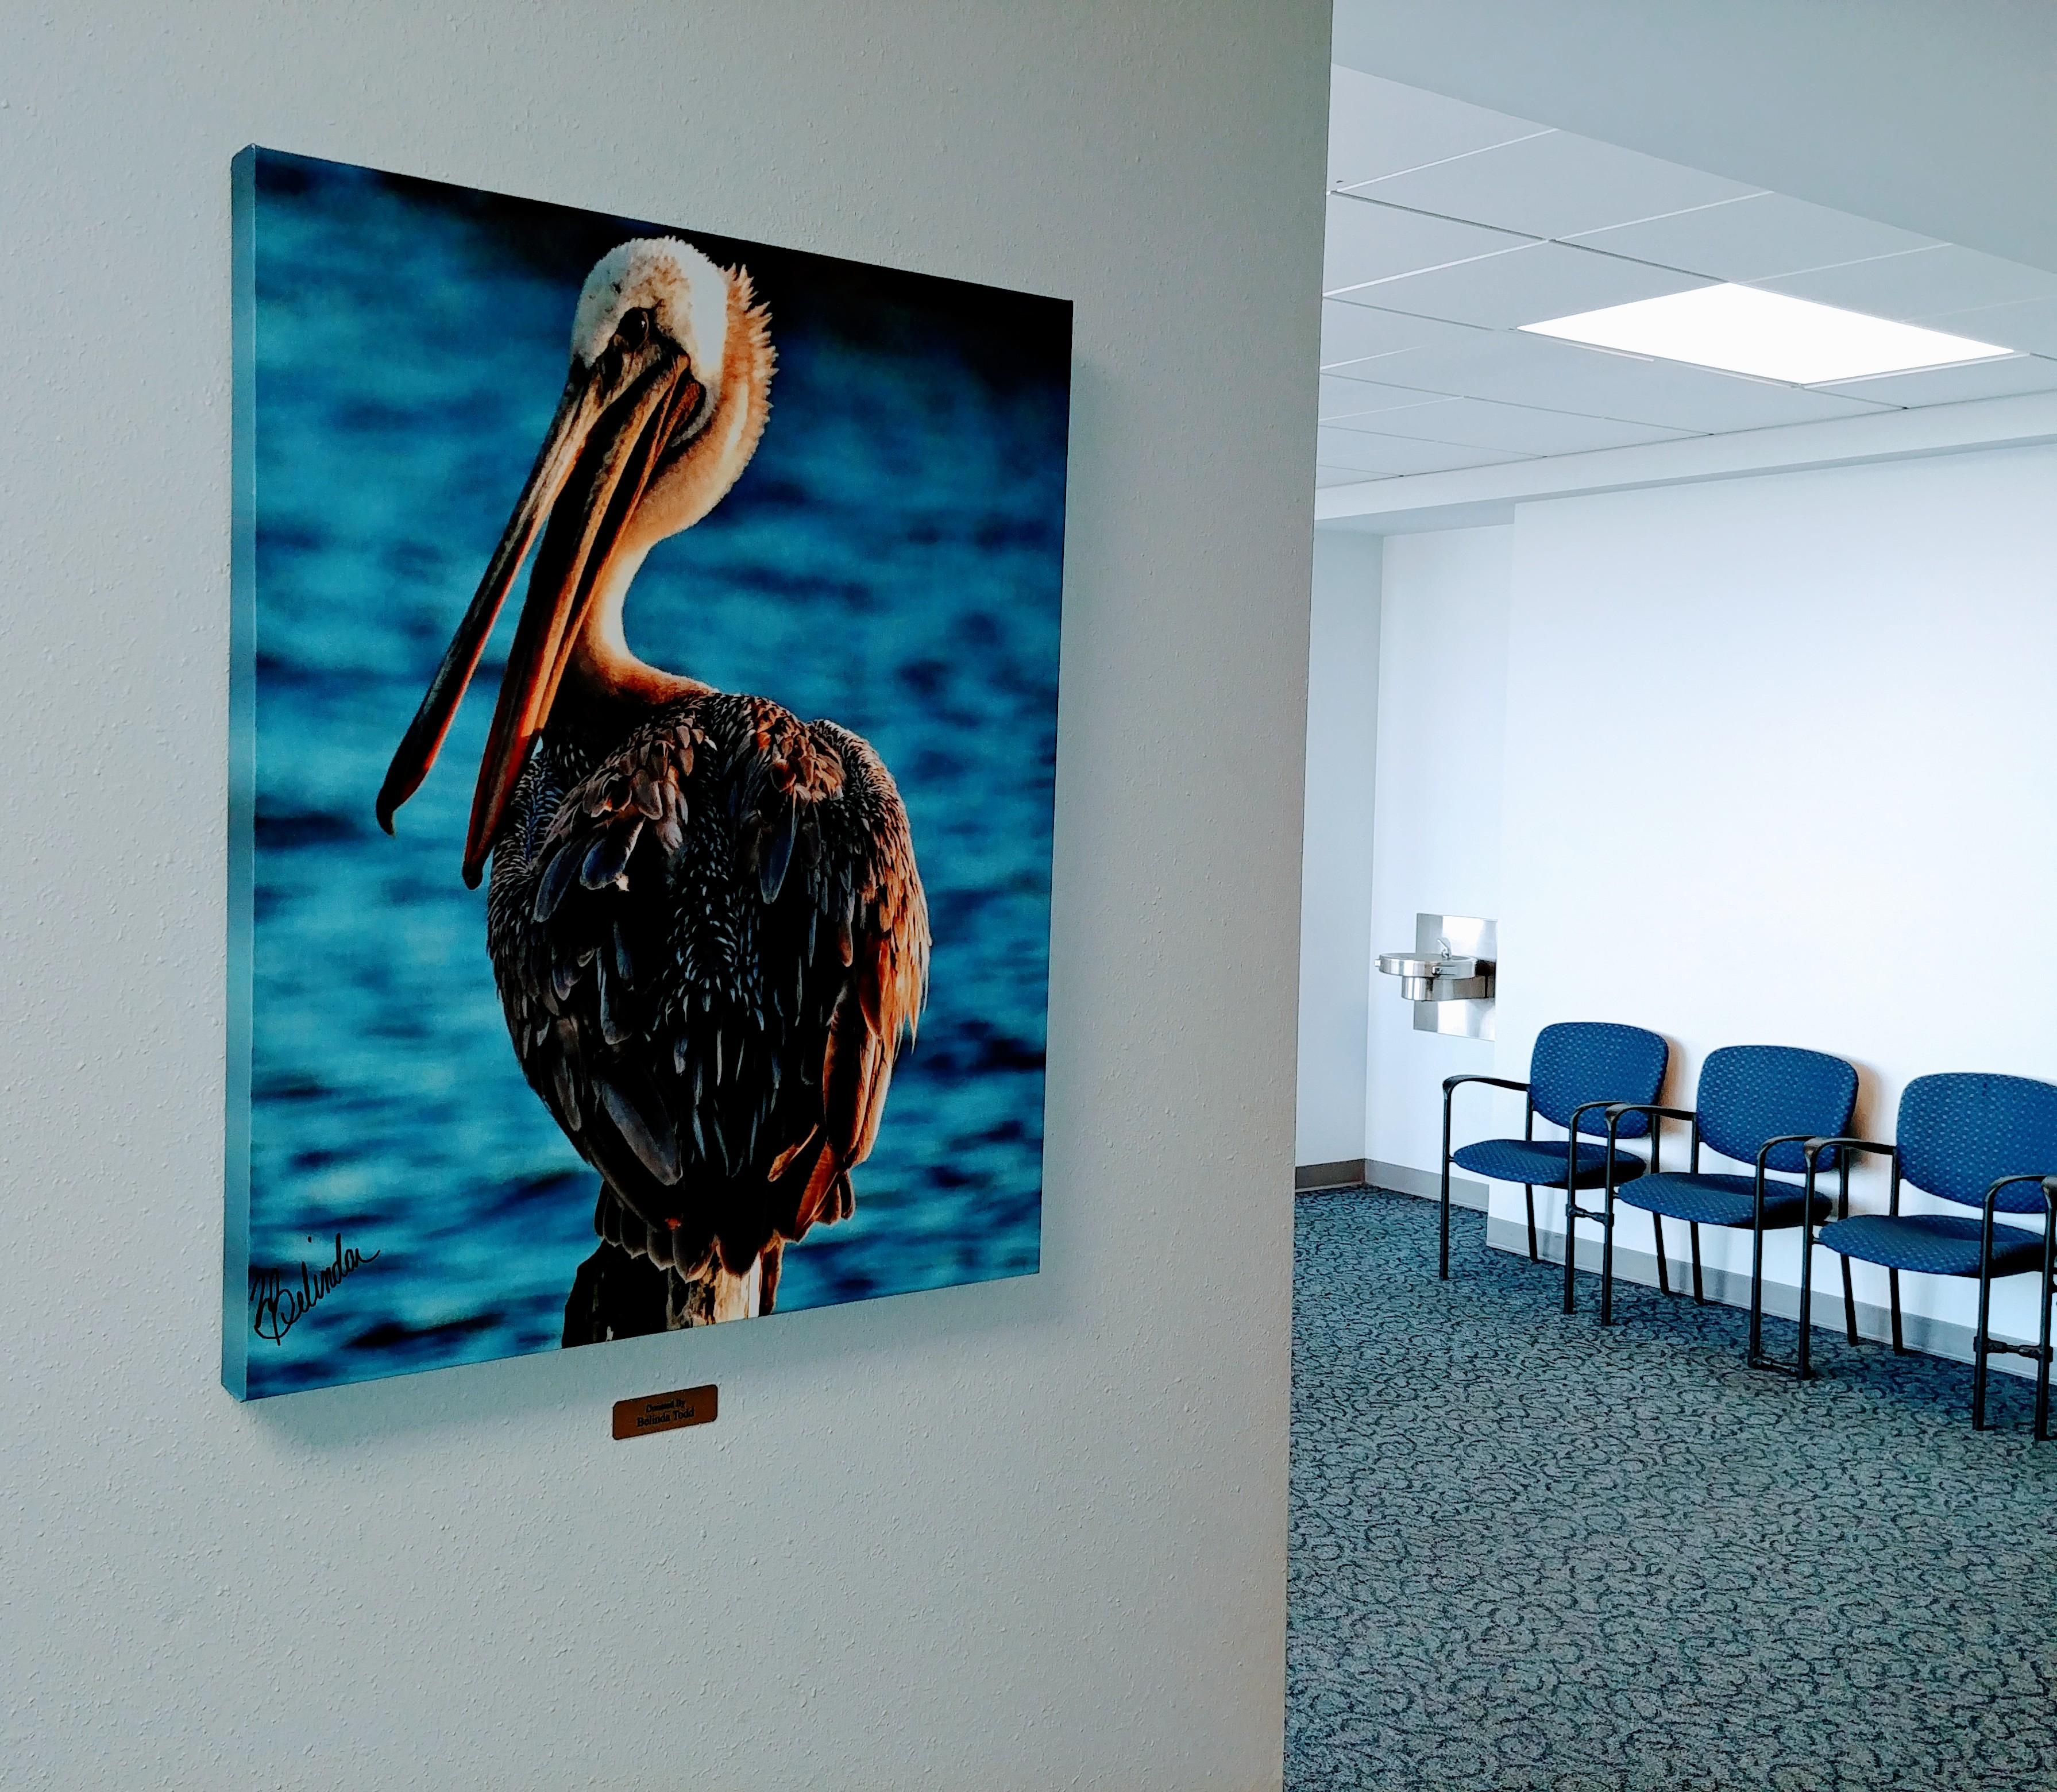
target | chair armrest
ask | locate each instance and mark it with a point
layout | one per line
(1992, 1194)
(1616, 1109)
(1450, 1086)
(2050, 1197)
(1764, 1150)
(1814, 1146)
(1658, 1113)
(1846, 1143)
(1613, 1141)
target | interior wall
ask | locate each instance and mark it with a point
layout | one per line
(1335, 880)
(1442, 702)
(1810, 782)
(1771, 767)
(1019, 1535)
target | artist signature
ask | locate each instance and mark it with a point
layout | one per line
(277, 1305)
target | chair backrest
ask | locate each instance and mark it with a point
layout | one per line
(1960, 1133)
(1750, 1094)
(1578, 1061)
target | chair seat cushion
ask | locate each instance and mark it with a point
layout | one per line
(1933, 1243)
(1541, 1162)
(1722, 1199)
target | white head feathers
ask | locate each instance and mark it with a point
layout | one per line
(685, 293)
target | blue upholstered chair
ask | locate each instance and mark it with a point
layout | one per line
(1980, 1141)
(1576, 1070)
(1758, 1105)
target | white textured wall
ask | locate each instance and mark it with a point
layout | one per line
(1335, 861)
(1025, 1535)
(1442, 702)
(1819, 703)
(1827, 727)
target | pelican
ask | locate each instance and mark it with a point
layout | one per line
(705, 921)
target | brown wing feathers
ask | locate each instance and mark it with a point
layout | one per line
(708, 944)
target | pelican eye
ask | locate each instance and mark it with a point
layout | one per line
(633, 331)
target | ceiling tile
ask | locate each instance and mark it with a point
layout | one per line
(1368, 243)
(1755, 238)
(1516, 369)
(1528, 285)
(1945, 278)
(1982, 379)
(1552, 186)
(1379, 127)
(1515, 428)
(1450, 237)
(1367, 452)
(1353, 336)
(1365, 398)
(2030, 326)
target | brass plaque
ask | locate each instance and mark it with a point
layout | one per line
(664, 1412)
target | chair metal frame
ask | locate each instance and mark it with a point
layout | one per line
(1529, 1191)
(1983, 1344)
(1572, 1212)
(1450, 1085)
(1659, 1113)
(1604, 1213)
(1573, 1140)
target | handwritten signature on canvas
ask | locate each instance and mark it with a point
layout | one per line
(277, 1305)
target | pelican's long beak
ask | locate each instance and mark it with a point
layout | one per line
(590, 474)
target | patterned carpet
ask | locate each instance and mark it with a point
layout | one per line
(1528, 1553)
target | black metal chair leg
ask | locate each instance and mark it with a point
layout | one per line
(2045, 1284)
(1699, 1294)
(2042, 1341)
(1807, 1296)
(1606, 1259)
(1663, 1269)
(1979, 1376)
(1849, 1305)
(1571, 1246)
(1892, 1282)
(1528, 1196)
(1756, 1297)
(1443, 1261)
(1978, 1345)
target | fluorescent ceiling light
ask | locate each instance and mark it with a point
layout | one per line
(1745, 330)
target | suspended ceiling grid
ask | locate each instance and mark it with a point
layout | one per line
(1449, 226)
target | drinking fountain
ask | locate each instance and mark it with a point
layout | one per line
(1450, 975)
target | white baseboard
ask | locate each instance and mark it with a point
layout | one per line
(1351, 1172)
(1346, 1172)
(1464, 1192)
(1919, 1332)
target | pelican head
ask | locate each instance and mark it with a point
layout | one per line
(667, 395)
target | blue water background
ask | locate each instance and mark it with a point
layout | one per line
(891, 559)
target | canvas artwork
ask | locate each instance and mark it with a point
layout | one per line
(643, 740)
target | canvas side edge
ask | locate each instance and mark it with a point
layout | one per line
(242, 775)
(1070, 309)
